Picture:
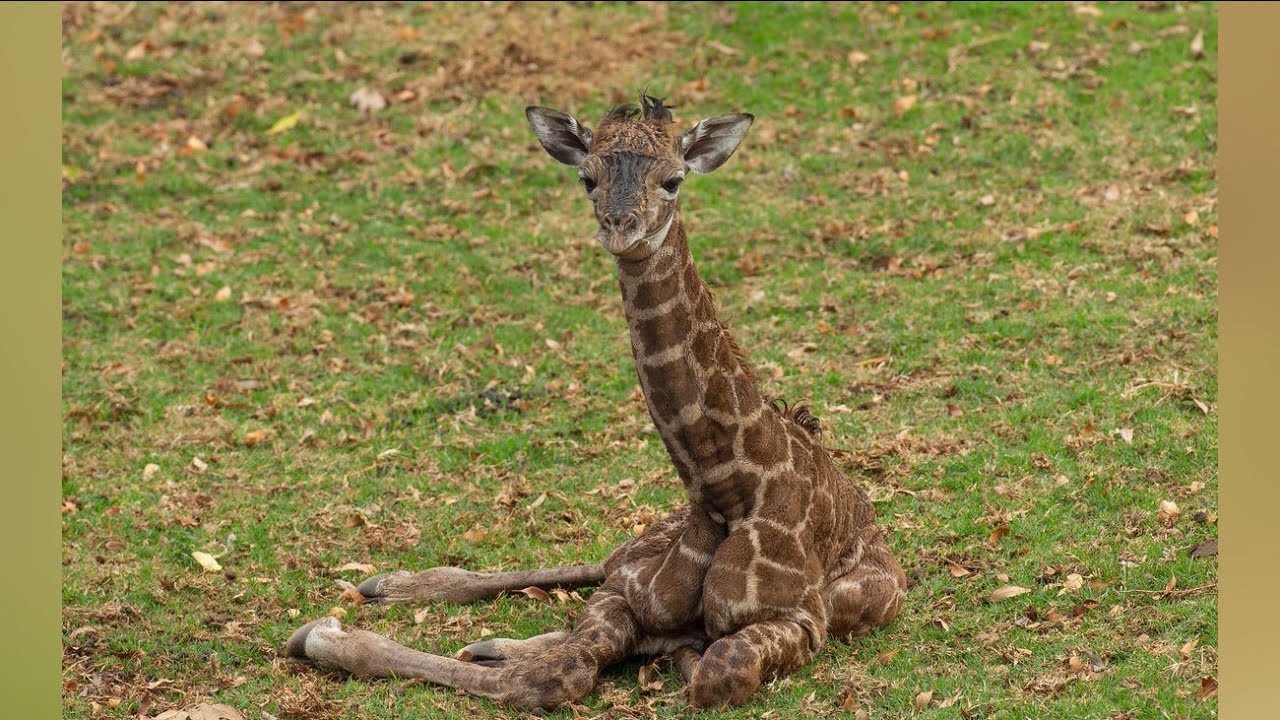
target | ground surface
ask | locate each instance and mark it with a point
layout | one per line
(980, 240)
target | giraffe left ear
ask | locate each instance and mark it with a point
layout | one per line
(710, 143)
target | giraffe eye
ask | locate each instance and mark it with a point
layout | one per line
(589, 185)
(672, 185)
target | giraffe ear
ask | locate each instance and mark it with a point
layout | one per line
(710, 143)
(566, 139)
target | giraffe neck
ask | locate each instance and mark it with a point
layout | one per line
(700, 393)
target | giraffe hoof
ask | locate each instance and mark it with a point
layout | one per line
(296, 647)
(374, 589)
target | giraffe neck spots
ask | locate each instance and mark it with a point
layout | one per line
(721, 436)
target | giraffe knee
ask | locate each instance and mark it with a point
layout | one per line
(727, 674)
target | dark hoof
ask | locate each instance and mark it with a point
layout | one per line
(372, 589)
(296, 647)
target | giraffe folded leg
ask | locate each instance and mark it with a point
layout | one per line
(464, 586)
(868, 596)
(732, 669)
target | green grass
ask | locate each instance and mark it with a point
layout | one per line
(976, 295)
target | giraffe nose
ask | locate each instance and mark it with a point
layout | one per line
(620, 223)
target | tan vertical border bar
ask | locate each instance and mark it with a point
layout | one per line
(1248, 357)
(30, 358)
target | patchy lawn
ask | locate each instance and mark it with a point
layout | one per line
(980, 239)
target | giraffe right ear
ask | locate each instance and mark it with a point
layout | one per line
(566, 139)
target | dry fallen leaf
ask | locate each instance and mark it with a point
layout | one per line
(999, 532)
(957, 570)
(149, 470)
(206, 561)
(474, 536)
(1208, 688)
(1197, 45)
(1126, 434)
(198, 465)
(1073, 583)
(366, 568)
(1168, 513)
(1208, 548)
(285, 123)
(368, 101)
(923, 699)
(254, 437)
(537, 593)
(857, 57)
(903, 104)
(1006, 592)
(223, 295)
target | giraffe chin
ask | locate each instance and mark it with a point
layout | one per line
(636, 244)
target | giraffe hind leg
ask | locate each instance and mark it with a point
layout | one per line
(457, 585)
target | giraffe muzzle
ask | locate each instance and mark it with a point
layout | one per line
(631, 234)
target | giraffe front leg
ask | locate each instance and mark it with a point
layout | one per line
(732, 669)
(868, 596)
(464, 586)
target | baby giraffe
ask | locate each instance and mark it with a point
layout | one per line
(777, 549)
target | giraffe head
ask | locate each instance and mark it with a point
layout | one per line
(631, 167)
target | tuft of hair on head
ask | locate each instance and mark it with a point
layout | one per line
(622, 112)
(654, 107)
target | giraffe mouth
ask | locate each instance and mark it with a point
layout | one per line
(623, 242)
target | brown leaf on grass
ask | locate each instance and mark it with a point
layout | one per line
(999, 532)
(923, 699)
(367, 101)
(1197, 45)
(1168, 512)
(1208, 548)
(254, 437)
(69, 507)
(1126, 434)
(366, 568)
(1208, 688)
(423, 614)
(1074, 583)
(1006, 592)
(903, 104)
(722, 48)
(957, 570)
(646, 680)
(887, 656)
(223, 294)
(149, 470)
(857, 57)
(473, 536)
(537, 593)
(351, 595)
